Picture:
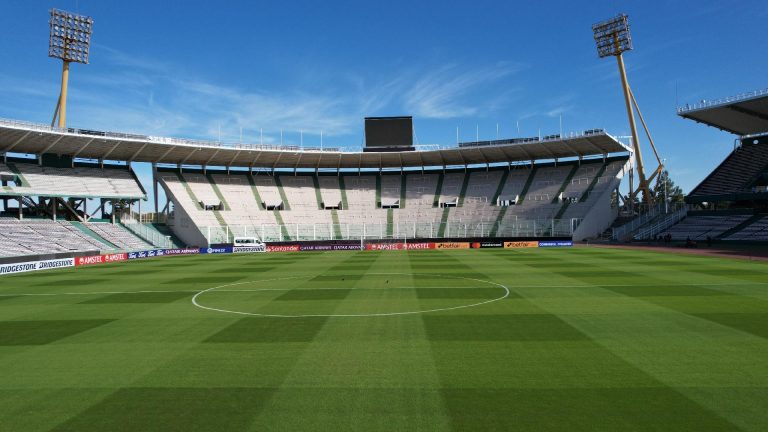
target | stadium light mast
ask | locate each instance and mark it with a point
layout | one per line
(613, 38)
(70, 41)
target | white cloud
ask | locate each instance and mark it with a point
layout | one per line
(442, 94)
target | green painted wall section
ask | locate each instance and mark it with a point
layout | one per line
(438, 190)
(283, 197)
(500, 188)
(528, 184)
(593, 183)
(343, 189)
(565, 184)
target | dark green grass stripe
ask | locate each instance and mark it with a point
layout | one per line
(44, 331)
(173, 408)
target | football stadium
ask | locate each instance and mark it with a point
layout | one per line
(535, 283)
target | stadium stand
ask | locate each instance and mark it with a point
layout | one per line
(701, 227)
(118, 236)
(32, 179)
(735, 174)
(412, 204)
(756, 231)
(43, 236)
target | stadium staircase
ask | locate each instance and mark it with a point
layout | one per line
(390, 222)
(319, 197)
(735, 173)
(443, 222)
(11, 166)
(255, 190)
(463, 193)
(403, 189)
(567, 180)
(500, 188)
(438, 190)
(740, 226)
(189, 190)
(378, 190)
(527, 186)
(283, 196)
(218, 193)
(343, 190)
(499, 218)
(591, 187)
(336, 224)
(87, 231)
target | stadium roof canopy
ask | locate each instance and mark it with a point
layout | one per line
(745, 114)
(22, 137)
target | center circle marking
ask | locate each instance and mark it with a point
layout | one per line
(196, 297)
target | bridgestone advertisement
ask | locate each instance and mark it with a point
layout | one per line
(36, 265)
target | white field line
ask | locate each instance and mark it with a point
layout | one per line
(505, 295)
(363, 288)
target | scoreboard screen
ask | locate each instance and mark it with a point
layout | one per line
(393, 133)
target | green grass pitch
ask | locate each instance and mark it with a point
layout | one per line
(585, 339)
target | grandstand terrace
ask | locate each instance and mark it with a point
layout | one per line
(529, 187)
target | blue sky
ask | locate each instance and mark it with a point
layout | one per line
(194, 68)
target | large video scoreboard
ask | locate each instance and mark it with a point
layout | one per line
(388, 134)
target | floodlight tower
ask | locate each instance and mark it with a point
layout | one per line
(70, 41)
(613, 38)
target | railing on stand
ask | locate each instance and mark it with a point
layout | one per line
(381, 231)
(150, 235)
(661, 225)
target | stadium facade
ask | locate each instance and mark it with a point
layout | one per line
(551, 187)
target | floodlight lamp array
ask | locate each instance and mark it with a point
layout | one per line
(612, 36)
(70, 36)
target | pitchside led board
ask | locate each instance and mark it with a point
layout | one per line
(388, 134)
